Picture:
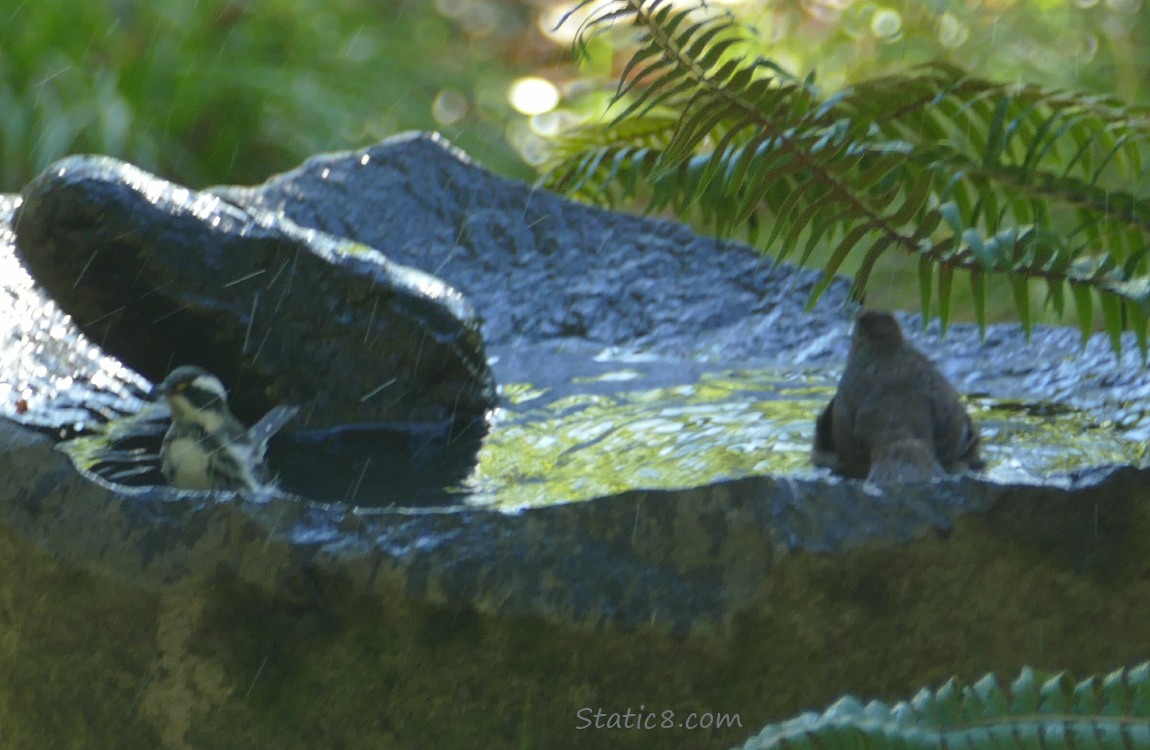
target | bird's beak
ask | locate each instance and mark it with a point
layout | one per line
(158, 390)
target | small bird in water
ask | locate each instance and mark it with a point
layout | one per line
(894, 418)
(207, 448)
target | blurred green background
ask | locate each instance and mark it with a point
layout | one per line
(227, 91)
(231, 91)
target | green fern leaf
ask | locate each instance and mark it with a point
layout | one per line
(1021, 181)
(945, 280)
(978, 294)
(1112, 318)
(1108, 712)
(925, 284)
(1020, 288)
(1084, 305)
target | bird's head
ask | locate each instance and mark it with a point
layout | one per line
(192, 390)
(877, 330)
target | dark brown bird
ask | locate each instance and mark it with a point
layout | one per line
(894, 418)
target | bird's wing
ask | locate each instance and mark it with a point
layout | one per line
(969, 456)
(955, 434)
(824, 452)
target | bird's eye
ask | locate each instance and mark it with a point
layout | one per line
(181, 387)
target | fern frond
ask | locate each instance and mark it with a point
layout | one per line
(1056, 713)
(970, 176)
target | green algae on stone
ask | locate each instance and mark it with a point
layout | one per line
(338, 669)
(77, 650)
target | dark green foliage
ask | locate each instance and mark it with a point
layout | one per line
(221, 91)
(1055, 713)
(972, 177)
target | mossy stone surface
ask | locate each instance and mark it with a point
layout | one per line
(1048, 581)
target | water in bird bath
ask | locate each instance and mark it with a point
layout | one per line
(597, 422)
(577, 422)
(619, 421)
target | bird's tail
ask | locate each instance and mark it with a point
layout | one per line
(906, 460)
(271, 423)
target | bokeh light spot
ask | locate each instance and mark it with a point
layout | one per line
(952, 33)
(449, 107)
(886, 24)
(533, 96)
